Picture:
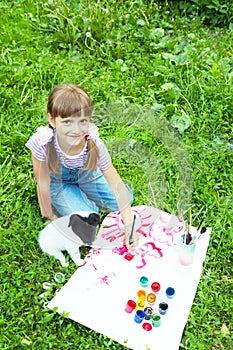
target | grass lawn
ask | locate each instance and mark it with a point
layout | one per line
(163, 89)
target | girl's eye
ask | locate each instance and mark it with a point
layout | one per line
(66, 122)
(84, 121)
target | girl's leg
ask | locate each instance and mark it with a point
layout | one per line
(97, 189)
(66, 196)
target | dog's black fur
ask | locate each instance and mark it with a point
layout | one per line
(93, 219)
(85, 227)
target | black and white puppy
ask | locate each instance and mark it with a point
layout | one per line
(69, 233)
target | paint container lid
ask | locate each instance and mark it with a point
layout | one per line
(144, 281)
(132, 303)
(155, 287)
(170, 292)
(128, 256)
(149, 311)
(163, 308)
(140, 304)
(47, 285)
(59, 277)
(147, 326)
(141, 294)
(151, 298)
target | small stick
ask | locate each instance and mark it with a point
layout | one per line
(131, 234)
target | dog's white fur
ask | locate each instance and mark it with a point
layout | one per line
(56, 237)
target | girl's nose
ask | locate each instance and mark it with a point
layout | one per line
(77, 128)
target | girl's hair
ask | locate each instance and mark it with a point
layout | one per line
(64, 101)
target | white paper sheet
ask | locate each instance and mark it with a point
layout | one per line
(96, 294)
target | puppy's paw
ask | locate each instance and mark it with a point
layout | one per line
(79, 262)
(65, 264)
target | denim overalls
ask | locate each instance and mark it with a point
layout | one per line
(82, 190)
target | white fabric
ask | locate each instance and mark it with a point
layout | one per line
(96, 294)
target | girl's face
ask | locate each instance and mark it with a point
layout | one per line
(71, 131)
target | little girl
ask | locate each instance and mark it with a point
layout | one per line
(71, 164)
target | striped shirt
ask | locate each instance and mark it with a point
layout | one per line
(71, 162)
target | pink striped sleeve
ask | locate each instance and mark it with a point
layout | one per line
(38, 151)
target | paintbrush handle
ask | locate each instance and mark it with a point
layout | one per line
(202, 219)
(189, 234)
(131, 234)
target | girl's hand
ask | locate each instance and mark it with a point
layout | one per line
(133, 243)
(134, 240)
(53, 217)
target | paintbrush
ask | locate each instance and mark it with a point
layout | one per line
(189, 233)
(185, 211)
(183, 222)
(185, 232)
(201, 222)
(202, 219)
(189, 225)
(131, 234)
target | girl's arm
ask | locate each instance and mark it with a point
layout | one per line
(41, 173)
(122, 197)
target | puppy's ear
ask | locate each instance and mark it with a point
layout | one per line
(72, 217)
(93, 219)
(83, 218)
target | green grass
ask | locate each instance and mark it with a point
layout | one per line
(135, 59)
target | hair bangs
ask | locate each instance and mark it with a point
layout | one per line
(70, 100)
